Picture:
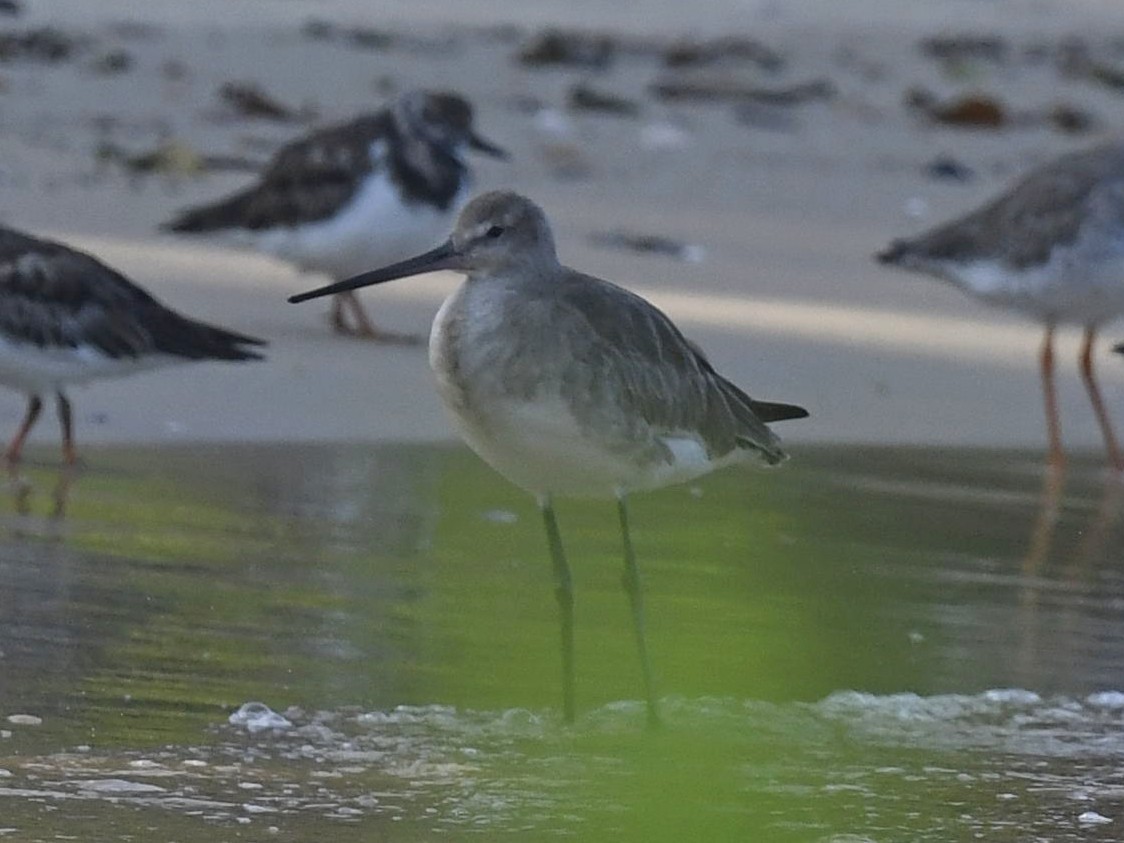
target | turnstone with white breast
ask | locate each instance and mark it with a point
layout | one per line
(363, 193)
(67, 318)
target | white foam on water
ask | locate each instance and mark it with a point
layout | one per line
(1011, 720)
(118, 786)
(1106, 699)
(1001, 750)
(258, 717)
(1093, 818)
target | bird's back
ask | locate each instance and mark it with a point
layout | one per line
(307, 180)
(1051, 247)
(1049, 209)
(63, 302)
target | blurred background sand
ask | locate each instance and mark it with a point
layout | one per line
(786, 202)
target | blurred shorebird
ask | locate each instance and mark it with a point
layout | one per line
(67, 318)
(1051, 247)
(364, 193)
(570, 385)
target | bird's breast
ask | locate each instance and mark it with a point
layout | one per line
(471, 347)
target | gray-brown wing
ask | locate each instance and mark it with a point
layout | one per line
(638, 364)
(55, 297)
(1044, 210)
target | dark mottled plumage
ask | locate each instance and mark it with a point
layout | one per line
(315, 176)
(55, 297)
(364, 193)
(66, 318)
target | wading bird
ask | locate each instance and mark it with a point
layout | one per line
(569, 385)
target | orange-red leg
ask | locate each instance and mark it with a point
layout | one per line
(359, 325)
(1053, 424)
(1095, 399)
(15, 448)
(339, 323)
(366, 329)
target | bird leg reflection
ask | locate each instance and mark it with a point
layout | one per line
(633, 588)
(1042, 534)
(1037, 554)
(1053, 425)
(1095, 399)
(61, 494)
(1097, 531)
(66, 420)
(564, 592)
(15, 449)
(22, 487)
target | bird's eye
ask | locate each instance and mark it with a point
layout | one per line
(494, 232)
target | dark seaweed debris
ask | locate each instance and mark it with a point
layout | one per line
(248, 100)
(947, 168)
(979, 111)
(565, 48)
(172, 158)
(113, 62)
(583, 97)
(965, 48)
(689, 53)
(649, 244)
(45, 44)
(361, 37)
(700, 88)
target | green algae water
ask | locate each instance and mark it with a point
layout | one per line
(360, 643)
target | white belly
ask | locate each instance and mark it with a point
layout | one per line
(375, 229)
(1091, 298)
(540, 447)
(26, 367)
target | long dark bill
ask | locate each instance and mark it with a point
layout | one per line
(487, 147)
(443, 257)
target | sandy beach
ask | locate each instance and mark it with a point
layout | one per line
(785, 199)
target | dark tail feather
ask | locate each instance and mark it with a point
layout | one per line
(893, 253)
(769, 411)
(1119, 349)
(227, 213)
(769, 454)
(193, 340)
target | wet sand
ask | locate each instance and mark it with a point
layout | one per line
(788, 210)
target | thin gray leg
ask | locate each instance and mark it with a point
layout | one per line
(66, 420)
(633, 588)
(564, 592)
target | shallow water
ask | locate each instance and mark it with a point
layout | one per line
(868, 644)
